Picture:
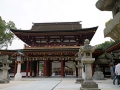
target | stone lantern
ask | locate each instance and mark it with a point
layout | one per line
(79, 66)
(4, 60)
(87, 59)
(19, 61)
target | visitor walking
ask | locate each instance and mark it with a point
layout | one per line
(117, 72)
(114, 79)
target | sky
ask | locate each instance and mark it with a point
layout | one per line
(25, 12)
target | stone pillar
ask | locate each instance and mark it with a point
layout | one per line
(87, 59)
(18, 75)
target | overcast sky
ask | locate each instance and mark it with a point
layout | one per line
(24, 12)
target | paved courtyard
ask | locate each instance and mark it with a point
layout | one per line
(53, 84)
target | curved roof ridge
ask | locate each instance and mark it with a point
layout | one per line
(57, 22)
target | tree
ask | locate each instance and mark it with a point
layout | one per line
(105, 44)
(6, 36)
(108, 22)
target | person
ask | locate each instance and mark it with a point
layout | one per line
(117, 72)
(114, 79)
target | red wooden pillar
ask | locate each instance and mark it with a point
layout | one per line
(30, 68)
(49, 67)
(15, 68)
(76, 70)
(45, 70)
(27, 65)
(35, 68)
(38, 67)
(62, 67)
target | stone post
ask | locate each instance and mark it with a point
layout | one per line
(87, 59)
(79, 66)
(18, 75)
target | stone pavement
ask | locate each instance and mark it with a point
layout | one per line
(53, 84)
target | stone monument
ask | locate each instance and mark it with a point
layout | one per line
(87, 59)
(79, 66)
(112, 29)
(98, 74)
(4, 60)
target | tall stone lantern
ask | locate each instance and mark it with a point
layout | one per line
(87, 59)
(5, 68)
(79, 66)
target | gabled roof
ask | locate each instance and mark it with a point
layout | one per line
(56, 26)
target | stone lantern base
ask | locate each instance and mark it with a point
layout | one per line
(89, 85)
(18, 76)
(4, 81)
(79, 80)
(98, 75)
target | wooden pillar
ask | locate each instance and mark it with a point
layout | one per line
(62, 67)
(50, 68)
(27, 66)
(38, 67)
(45, 71)
(15, 68)
(35, 68)
(30, 68)
(76, 70)
(47, 68)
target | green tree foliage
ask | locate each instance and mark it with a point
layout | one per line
(6, 36)
(108, 22)
(105, 44)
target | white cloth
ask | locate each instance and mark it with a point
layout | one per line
(117, 69)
